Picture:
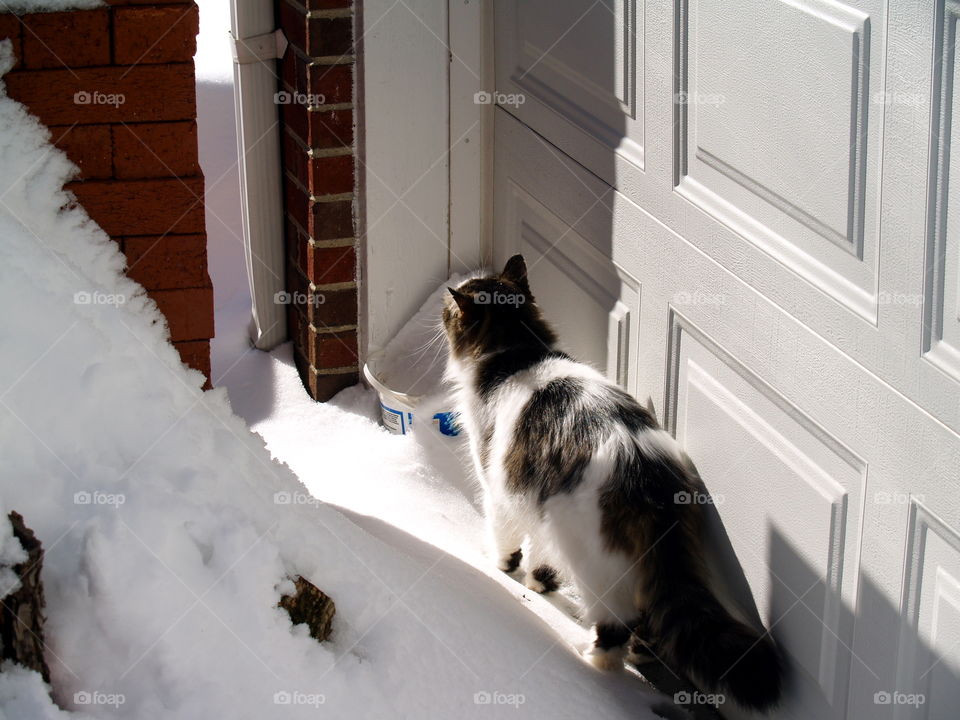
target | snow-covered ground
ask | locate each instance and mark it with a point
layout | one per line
(171, 530)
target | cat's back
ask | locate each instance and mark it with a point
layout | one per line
(552, 417)
(561, 390)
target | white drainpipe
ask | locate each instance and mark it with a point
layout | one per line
(256, 44)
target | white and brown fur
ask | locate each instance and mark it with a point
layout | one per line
(578, 468)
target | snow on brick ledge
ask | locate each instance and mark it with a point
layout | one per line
(38, 6)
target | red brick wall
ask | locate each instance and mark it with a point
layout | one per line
(116, 87)
(317, 115)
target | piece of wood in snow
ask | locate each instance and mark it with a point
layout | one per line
(311, 606)
(21, 612)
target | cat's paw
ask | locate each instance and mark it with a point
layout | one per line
(610, 660)
(640, 652)
(511, 562)
(543, 579)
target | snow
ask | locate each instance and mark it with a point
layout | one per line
(214, 57)
(170, 530)
(11, 553)
(34, 6)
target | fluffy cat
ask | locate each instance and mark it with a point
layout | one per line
(576, 465)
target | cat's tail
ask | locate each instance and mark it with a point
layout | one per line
(696, 632)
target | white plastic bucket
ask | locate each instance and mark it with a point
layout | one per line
(397, 408)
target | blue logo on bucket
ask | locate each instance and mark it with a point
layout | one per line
(447, 423)
(396, 421)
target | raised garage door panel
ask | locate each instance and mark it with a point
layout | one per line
(579, 68)
(789, 496)
(942, 317)
(593, 305)
(776, 138)
(929, 662)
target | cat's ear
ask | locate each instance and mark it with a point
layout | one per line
(464, 301)
(516, 272)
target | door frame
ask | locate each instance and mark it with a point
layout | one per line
(471, 133)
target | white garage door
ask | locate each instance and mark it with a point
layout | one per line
(742, 210)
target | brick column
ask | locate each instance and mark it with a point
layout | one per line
(317, 114)
(115, 85)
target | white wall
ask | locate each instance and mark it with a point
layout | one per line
(404, 137)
